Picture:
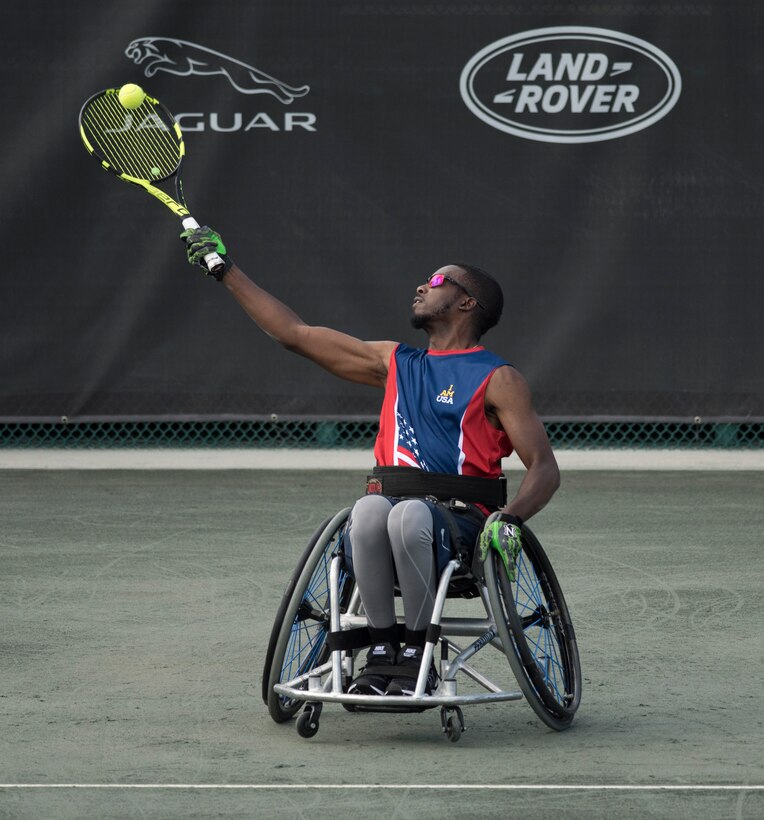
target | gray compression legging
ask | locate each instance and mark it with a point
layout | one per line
(382, 533)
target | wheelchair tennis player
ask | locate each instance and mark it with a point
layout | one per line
(451, 411)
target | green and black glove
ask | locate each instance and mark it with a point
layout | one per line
(503, 532)
(201, 242)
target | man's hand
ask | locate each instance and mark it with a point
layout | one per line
(202, 241)
(503, 532)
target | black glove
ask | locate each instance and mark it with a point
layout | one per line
(203, 241)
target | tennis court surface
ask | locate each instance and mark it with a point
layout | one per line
(136, 606)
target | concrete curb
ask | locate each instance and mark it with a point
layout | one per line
(263, 459)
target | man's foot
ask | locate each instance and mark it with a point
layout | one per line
(411, 657)
(373, 681)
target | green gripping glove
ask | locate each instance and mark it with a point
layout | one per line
(503, 533)
(202, 241)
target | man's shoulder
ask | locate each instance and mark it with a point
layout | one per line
(505, 381)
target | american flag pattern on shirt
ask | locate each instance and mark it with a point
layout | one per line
(433, 414)
(407, 449)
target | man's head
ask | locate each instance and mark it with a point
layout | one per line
(471, 288)
(487, 292)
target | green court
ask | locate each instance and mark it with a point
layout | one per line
(136, 606)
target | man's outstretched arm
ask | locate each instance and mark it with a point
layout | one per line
(343, 355)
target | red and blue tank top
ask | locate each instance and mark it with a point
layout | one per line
(433, 414)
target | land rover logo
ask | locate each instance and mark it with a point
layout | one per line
(570, 84)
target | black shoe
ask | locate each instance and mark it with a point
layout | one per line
(411, 656)
(373, 681)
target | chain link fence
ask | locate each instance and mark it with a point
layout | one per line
(360, 433)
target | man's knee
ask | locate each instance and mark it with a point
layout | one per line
(369, 514)
(409, 524)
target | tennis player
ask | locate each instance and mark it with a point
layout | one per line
(450, 413)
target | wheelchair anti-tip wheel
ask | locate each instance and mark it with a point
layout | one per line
(452, 720)
(307, 723)
(534, 626)
(298, 637)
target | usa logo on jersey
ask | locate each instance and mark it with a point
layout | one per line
(446, 396)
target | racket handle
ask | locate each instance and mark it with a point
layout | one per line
(212, 260)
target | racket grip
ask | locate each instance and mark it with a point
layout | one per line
(212, 260)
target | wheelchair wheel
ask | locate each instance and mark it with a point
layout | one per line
(298, 638)
(534, 626)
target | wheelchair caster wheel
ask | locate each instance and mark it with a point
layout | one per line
(453, 730)
(453, 724)
(307, 723)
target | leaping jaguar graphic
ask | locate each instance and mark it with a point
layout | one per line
(183, 58)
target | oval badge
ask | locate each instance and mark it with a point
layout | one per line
(570, 84)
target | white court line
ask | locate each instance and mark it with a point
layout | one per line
(393, 786)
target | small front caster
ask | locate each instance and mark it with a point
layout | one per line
(452, 721)
(307, 723)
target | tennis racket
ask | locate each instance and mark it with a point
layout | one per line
(142, 145)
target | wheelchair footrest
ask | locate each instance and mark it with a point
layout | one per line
(387, 708)
(390, 702)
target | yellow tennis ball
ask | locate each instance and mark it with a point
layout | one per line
(131, 95)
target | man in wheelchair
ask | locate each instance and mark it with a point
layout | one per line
(450, 413)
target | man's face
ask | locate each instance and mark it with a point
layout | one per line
(431, 303)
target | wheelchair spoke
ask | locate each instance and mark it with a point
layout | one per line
(308, 634)
(547, 658)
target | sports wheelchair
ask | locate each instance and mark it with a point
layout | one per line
(320, 628)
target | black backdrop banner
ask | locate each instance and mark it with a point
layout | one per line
(603, 160)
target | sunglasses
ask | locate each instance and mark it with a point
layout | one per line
(437, 279)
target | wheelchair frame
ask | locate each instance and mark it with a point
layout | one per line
(320, 623)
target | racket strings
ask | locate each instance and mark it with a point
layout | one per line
(139, 142)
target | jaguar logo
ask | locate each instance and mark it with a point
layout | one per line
(182, 58)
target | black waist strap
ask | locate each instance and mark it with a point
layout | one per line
(405, 481)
